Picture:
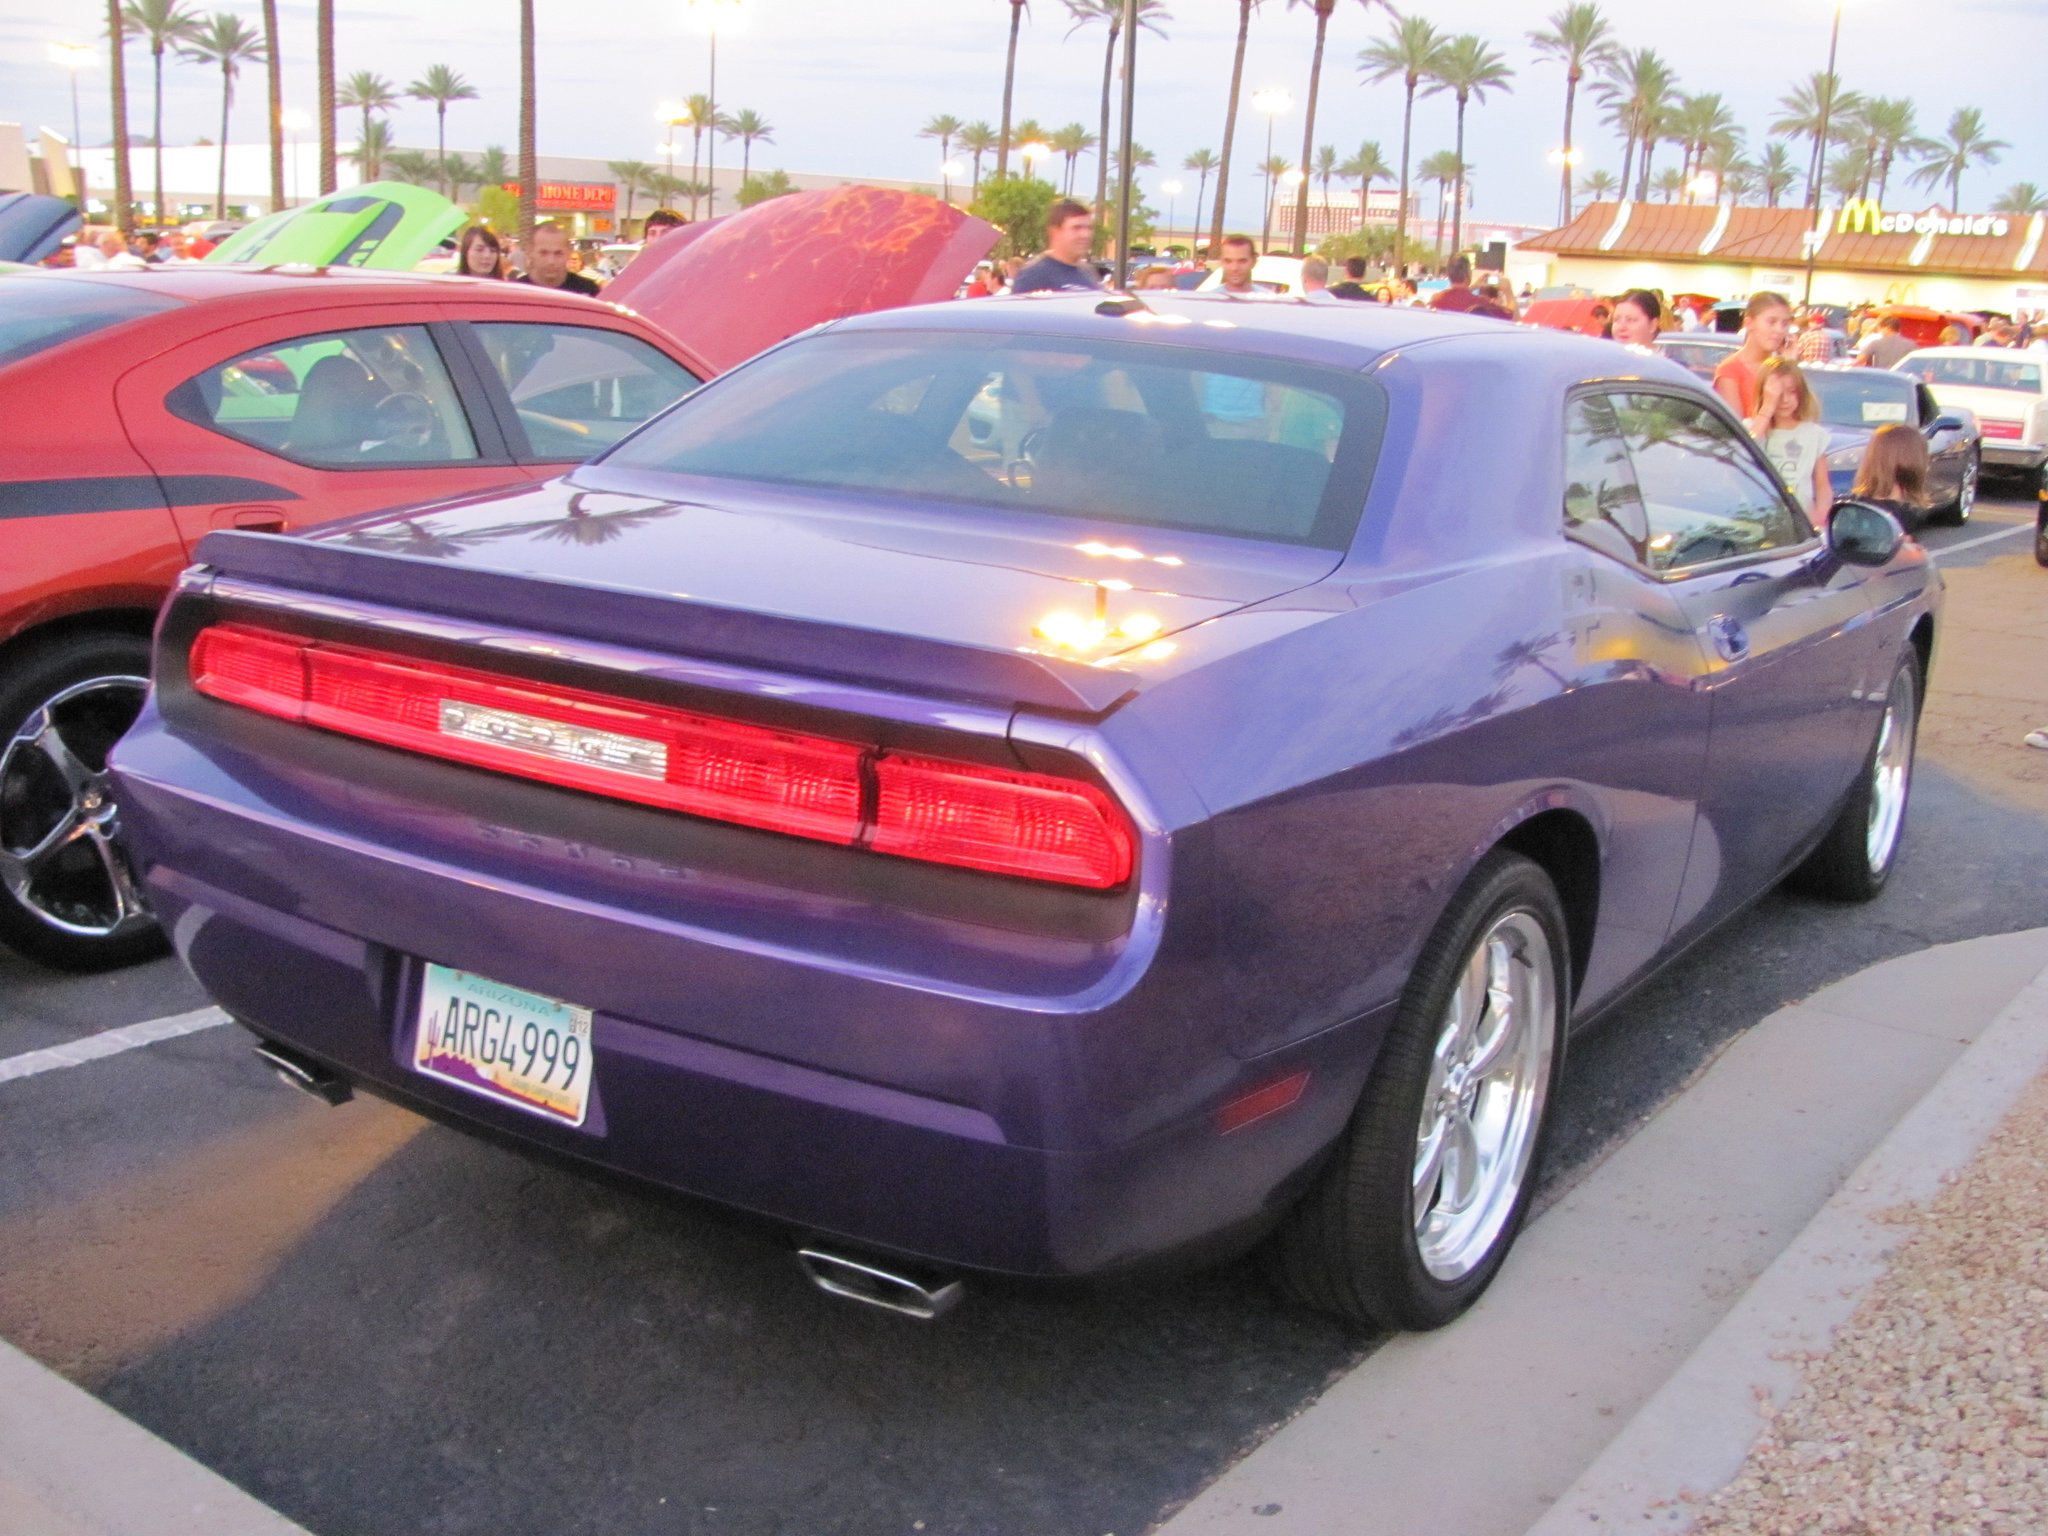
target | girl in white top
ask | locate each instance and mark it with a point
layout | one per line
(1787, 424)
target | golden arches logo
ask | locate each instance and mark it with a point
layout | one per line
(1858, 217)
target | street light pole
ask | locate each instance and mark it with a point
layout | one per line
(1173, 190)
(1125, 170)
(74, 57)
(1815, 235)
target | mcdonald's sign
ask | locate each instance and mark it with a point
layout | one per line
(1859, 216)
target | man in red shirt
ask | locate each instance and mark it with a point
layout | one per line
(1459, 297)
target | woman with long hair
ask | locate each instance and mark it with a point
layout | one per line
(1765, 323)
(1894, 471)
(480, 253)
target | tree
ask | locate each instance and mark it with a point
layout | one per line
(633, 177)
(1412, 51)
(495, 206)
(1849, 174)
(460, 173)
(529, 145)
(750, 128)
(1203, 163)
(1737, 180)
(441, 85)
(1598, 186)
(1468, 69)
(1579, 38)
(1444, 168)
(1111, 14)
(1016, 205)
(1273, 168)
(2021, 197)
(117, 91)
(1699, 124)
(1244, 27)
(977, 139)
(368, 92)
(667, 190)
(758, 189)
(1072, 142)
(700, 117)
(1010, 86)
(945, 128)
(1775, 173)
(323, 74)
(1669, 185)
(1889, 128)
(1322, 9)
(1637, 90)
(275, 72)
(1366, 167)
(413, 166)
(1803, 109)
(162, 24)
(492, 168)
(1323, 167)
(372, 150)
(1962, 145)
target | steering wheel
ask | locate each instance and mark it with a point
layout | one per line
(406, 423)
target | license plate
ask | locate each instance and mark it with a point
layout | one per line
(507, 1044)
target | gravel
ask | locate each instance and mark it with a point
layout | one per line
(1926, 1416)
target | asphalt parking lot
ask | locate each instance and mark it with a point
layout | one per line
(381, 1326)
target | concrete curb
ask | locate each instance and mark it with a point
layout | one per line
(1694, 1434)
(72, 1466)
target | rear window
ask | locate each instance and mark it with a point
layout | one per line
(1989, 372)
(1863, 397)
(1173, 436)
(38, 313)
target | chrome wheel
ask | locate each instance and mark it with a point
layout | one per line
(59, 858)
(1966, 493)
(1483, 1103)
(1891, 774)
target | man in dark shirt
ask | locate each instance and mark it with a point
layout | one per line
(1069, 235)
(1353, 287)
(1459, 297)
(547, 263)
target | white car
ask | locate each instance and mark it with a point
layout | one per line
(2003, 389)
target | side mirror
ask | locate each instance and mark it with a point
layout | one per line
(1945, 423)
(1862, 534)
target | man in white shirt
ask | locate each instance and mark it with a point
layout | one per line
(1315, 281)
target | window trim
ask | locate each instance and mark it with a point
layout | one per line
(505, 415)
(181, 401)
(1717, 407)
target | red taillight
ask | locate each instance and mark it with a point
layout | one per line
(1038, 826)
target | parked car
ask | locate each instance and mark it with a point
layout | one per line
(389, 226)
(1855, 402)
(187, 398)
(1200, 808)
(33, 226)
(1698, 352)
(2005, 391)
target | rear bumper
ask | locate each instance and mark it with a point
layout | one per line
(964, 1130)
(2010, 455)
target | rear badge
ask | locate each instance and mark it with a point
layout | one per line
(553, 739)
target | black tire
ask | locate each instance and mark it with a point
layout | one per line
(1958, 511)
(1848, 866)
(69, 901)
(2041, 532)
(1352, 1247)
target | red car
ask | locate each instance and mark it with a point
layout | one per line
(146, 408)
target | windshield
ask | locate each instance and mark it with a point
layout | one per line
(1976, 372)
(1862, 397)
(1179, 437)
(39, 312)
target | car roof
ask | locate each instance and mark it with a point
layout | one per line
(1991, 352)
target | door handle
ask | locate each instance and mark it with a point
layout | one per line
(254, 517)
(1731, 640)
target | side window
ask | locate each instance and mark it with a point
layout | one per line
(341, 400)
(1603, 506)
(579, 388)
(1705, 495)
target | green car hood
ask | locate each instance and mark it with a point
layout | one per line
(387, 225)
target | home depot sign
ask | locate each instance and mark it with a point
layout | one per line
(1860, 217)
(572, 196)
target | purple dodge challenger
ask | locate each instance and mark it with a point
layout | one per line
(1041, 786)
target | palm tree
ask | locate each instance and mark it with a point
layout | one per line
(1598, 186)
(2021, 197)
(977, 139)
(441, 85)
(1775, 173)
(945, 128)
(1579, 38)
(163, 24)
(1323, 167)
(1637, 91)
(1963, 145)
(1468, 69)
(700, 117)
(1244, 27)
(1737, 179)
(368, 92)
(751, 128)
(529, 146)
(275, 71)
(632, 177)
(1203, 163)
(1009, 86)
(1074, 141)
(323, 71)
(1443, 168)
(117, 90)
(372, 150)
(1849, 174)
(414, 166)
(492, 168)
(665, 189)
(224, 39)
(1890, 128)
(1365, 168)
(1412, 51)
(1698, 123)
(1322, 9)
(1803, 109)
(1273, 169)
(1111, 14)
(1669, 185)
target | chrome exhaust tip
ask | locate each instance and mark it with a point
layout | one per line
(891, 1290)
(296, 1071)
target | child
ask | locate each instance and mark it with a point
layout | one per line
(1787, 423)
(1765, 324)
(1894, 472)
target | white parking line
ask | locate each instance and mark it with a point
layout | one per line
(1982, 538)
(109, 1042)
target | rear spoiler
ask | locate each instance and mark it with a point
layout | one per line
(909, 662)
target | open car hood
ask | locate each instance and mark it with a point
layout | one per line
(32, 226)
(733, 286)
(384, 225)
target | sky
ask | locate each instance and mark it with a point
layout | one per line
(848, 85)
